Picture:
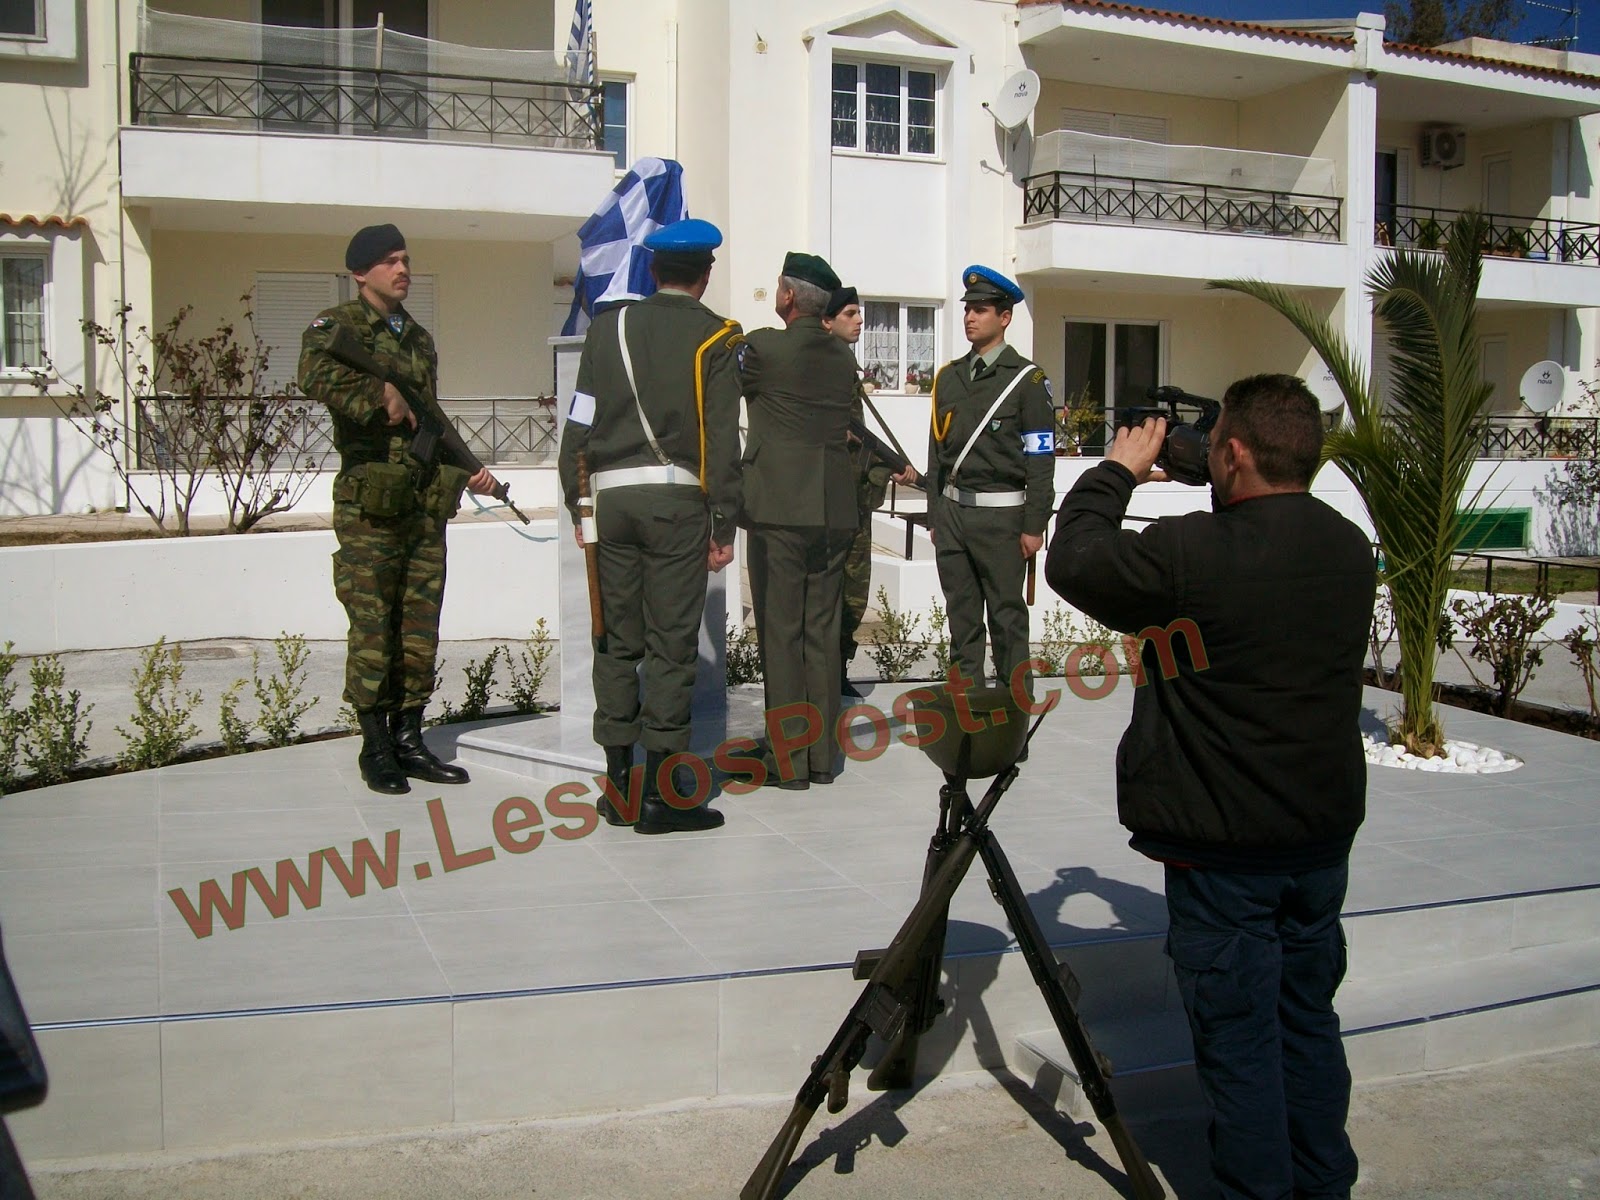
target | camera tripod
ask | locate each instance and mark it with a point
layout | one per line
(901, 999)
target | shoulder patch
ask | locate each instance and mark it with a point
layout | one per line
(734, 340)
(322, 323)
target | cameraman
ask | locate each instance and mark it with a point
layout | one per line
(1242, 767)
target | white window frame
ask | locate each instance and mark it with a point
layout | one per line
(861, 63)
(64, 291)
(40, 255)
(626, 82)
(39, 27)
(1163, 330)
(903, 327)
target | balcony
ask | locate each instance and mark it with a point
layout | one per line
(1156, 210)
(229, 113)
(1540, 239)
(1512, 436)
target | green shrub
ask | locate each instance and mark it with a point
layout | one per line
(161, 710)
(1582, 642)
(529, 668)
(234, 729)
(939, 641)
(743, 655)
(480, 685)
(895, 645)
(13, 723)
(54, 744)
(1502, 629)
(279, 696)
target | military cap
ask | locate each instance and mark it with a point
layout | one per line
(841, 299)
(811, 269)
(689, 236)
(371, 245)
(985, 285)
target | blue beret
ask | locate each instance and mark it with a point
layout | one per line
(985, 284)
(689, 236)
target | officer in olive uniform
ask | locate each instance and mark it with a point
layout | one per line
(991, 468)
(656, 415)
(800, 510)
(389, 509)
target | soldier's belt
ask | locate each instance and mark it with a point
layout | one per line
(984, 499)
(632, 476)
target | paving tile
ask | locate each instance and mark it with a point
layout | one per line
(270, 964)
(77, 898)
(215, 890)
(124, 836)
(76, 976)
(112, 795)
(558, 947)
(104, 1098)
(289, 787)
(773, 930)
(264, 835)
(555, 873)
(730, 866)
(771, 1027)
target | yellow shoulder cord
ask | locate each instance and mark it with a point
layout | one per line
(940, 432)
(700, 391)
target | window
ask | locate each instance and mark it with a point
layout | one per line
(22, 18)
(882, 108)
(1109, 365)
(898, 347)
(285, 302)
(22, 315)
(616, 120)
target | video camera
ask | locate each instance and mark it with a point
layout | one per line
(1183, 456)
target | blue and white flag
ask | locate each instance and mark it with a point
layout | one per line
(1039, 441)
(580, 44)
(613, 264)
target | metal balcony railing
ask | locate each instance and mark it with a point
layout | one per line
(1540, 238)
(223, 93)
(1540, 437)
(1074, 196)
(502, 431)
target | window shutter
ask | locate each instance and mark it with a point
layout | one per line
(1082, 120)
(420, 302)
(285, 304)
(1146, 161)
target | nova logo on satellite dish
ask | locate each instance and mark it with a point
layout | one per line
(1016, 99)
(1543, 385)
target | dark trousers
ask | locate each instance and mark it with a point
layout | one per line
(653, 545)
(796, 581)
(1258, 959)
(981, 569)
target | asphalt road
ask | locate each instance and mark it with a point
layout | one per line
(1522, 1129)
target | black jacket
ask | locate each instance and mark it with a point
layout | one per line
(1244, 752)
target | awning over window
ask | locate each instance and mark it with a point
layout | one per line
(49, 222)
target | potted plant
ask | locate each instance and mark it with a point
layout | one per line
(1077, 421)
(1428, 235)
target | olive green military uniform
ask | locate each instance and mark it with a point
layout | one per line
(654, 537)
(800, 506)
(977, 546)
(872, 485)
(389, 511)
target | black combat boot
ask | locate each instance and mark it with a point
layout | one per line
(379, 768)
(657, 816)
(619, 765)
(413, 755)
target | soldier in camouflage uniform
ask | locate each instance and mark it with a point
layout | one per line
(843, 319)
(991, 482)
(389, 509)
(656, 414)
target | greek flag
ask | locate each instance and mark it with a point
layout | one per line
(580, 44)
(613, 264)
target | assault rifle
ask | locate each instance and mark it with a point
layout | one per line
(435, 436)
(900, 1000)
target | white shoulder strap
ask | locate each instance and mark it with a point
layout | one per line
(989, 416)
(633, 386)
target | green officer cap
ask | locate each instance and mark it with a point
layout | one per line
(811, 268)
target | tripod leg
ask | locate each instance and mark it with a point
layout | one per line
(1093, 1072)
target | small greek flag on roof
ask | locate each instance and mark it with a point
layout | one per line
(613, 264)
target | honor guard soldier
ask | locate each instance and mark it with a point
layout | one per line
(389, 505)
(800, 510)
(656, 416)
(991, 467)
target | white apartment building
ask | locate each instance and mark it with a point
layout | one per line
(189, 151)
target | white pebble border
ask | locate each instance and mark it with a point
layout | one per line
(1462, 758)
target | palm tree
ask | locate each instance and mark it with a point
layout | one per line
(1410, 460)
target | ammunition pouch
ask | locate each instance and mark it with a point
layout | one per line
(441, 499)
(382, 489)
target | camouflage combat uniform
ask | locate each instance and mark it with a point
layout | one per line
(389, 569)
(872, 485)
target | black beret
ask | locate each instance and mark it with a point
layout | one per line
(372, 244)
(811, 268)
(842, 299)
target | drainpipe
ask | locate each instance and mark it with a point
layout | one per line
(122, 275)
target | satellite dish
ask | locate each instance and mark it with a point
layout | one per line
(1325, 388)
(1543, 385)
(1014, 104)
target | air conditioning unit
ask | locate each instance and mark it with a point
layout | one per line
(1443, 146)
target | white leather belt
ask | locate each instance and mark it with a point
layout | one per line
(630, 476)
(984, 499)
